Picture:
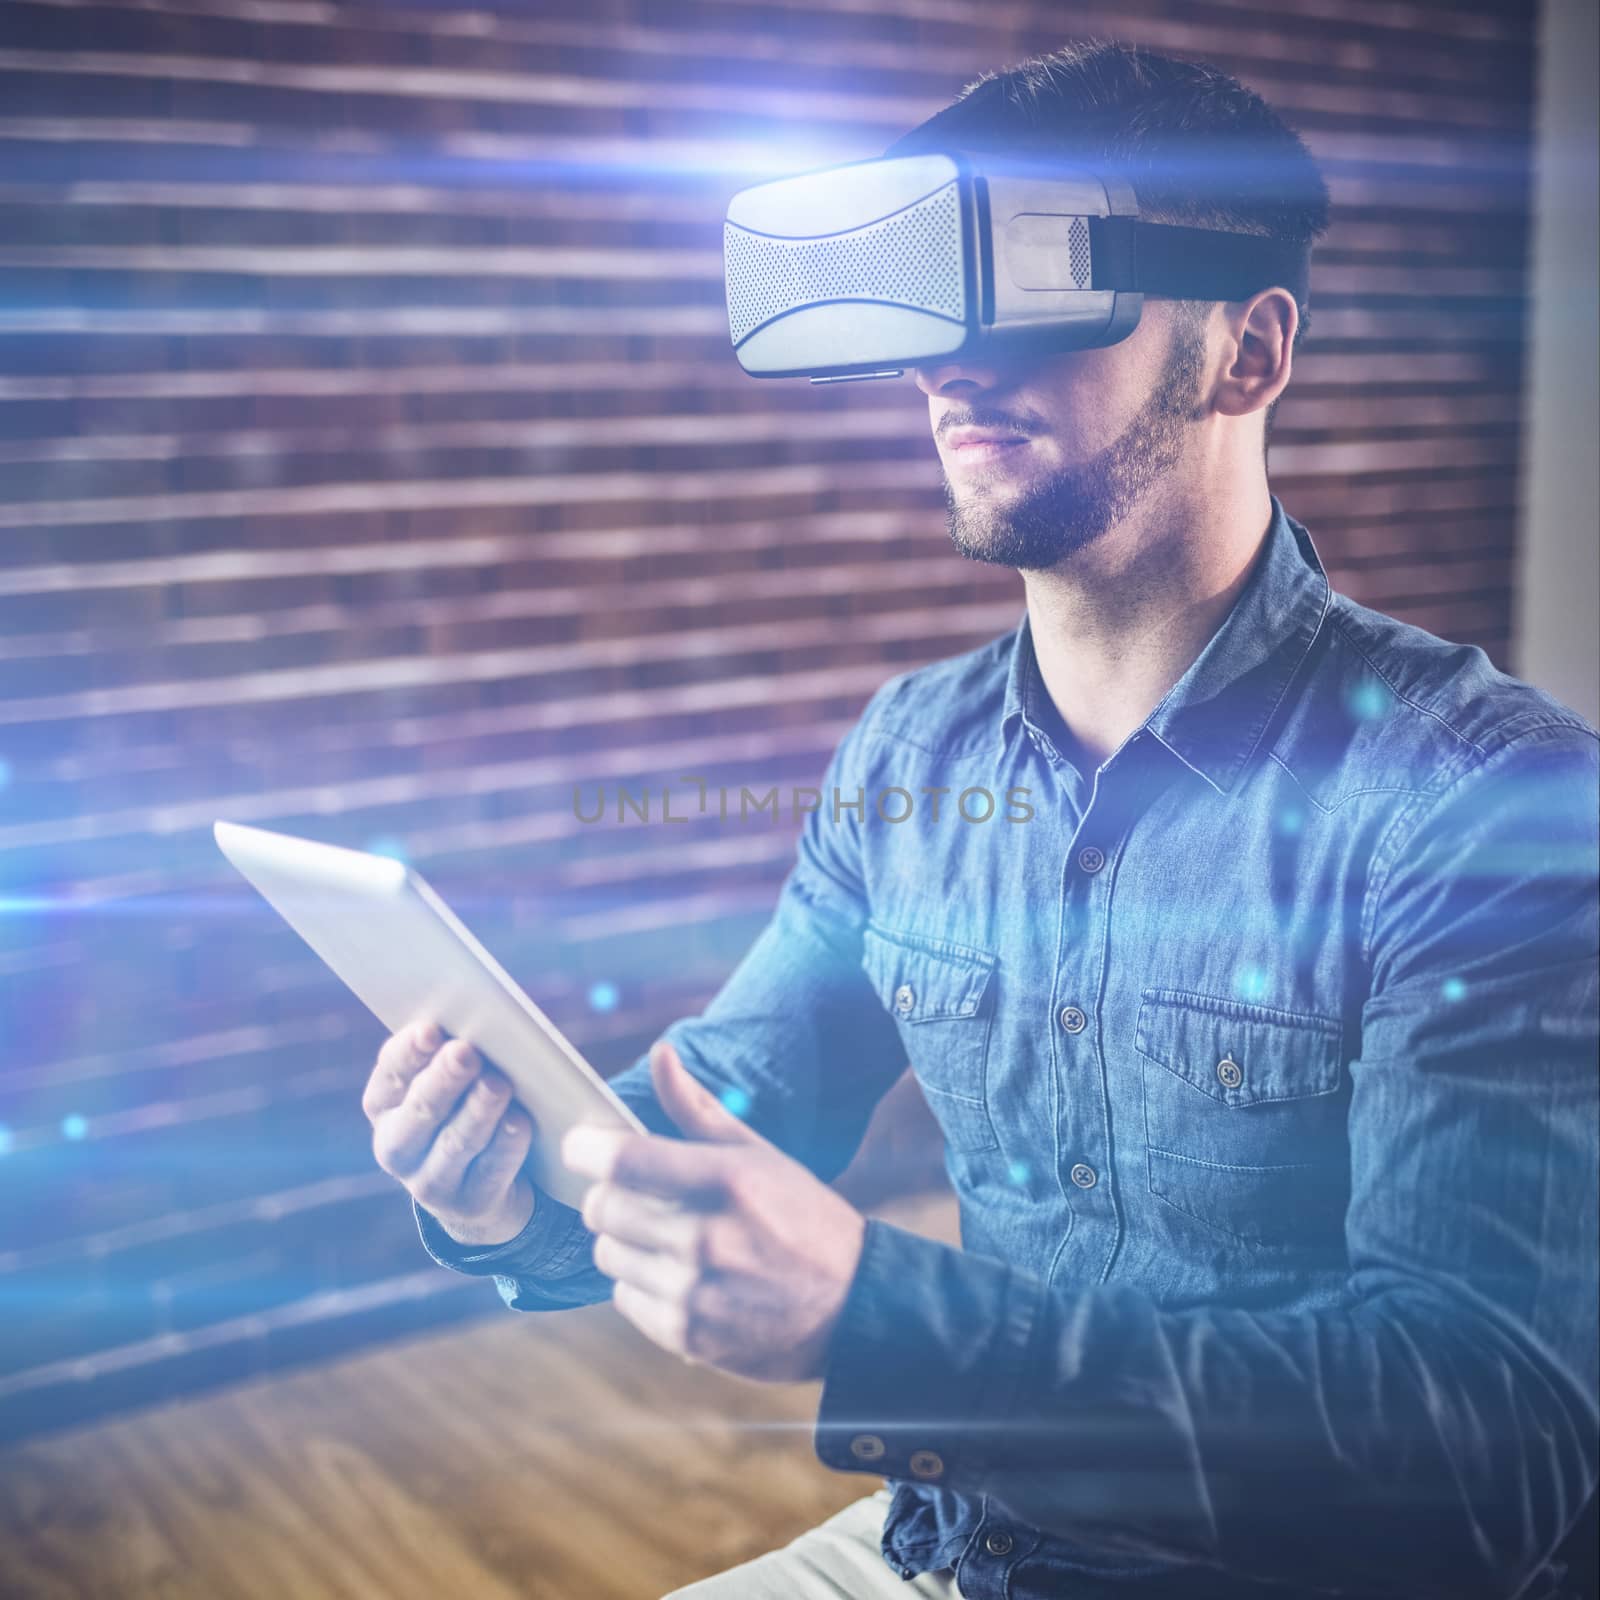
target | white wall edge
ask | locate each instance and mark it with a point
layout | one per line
(1556, 614)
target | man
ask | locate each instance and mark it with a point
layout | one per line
(1263, 1047)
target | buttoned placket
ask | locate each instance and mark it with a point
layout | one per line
(1083, 1095)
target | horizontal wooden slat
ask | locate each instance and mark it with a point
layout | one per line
(1361, 172)
(1332, 36)
(1423, 372)
(1435, 19)
(1444, 281)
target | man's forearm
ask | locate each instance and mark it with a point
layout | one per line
(1401, 1444)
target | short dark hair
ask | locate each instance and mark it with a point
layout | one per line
(1196, 146)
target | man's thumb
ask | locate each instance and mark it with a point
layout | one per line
(698, 1113)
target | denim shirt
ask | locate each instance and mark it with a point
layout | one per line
(1265, 1058)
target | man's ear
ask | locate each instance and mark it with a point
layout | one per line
(1262, 330)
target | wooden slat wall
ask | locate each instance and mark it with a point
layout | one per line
(372, 465)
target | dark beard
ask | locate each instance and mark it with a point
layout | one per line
(1075, 506)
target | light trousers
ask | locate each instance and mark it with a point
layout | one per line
(839, 1559)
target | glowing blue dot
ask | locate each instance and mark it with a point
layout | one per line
(736, 1100)
(5, 1138)
(74, 1126)
(1367, 700)
(1252, 983)
(1454, 989)
(1291, 819)
(603, 996)
(1019, 1171)
(387, 845)
(5, 773)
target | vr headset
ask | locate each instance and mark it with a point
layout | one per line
(864, 270)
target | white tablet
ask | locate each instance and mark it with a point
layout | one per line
(406, 955)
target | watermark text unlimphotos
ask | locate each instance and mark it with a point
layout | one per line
(621, 804)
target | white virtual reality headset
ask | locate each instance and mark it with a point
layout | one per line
(867, 269)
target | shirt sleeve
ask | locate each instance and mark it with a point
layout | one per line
(547, 1246)
(1432, 1434)
(796, 1043)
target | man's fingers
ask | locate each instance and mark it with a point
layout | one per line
(658, 1320)
(692, 1105)
(496, 1168)
(464, 1135)
(674, 1168)
(403, 1134)
(404, 1054)
(663, 1277)
(639, 1218)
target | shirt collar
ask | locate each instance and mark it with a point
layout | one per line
(1213, 717)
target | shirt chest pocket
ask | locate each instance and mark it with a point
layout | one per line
(1244, 1117)
(937, 991)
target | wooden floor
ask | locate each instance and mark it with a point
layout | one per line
(555, 1455)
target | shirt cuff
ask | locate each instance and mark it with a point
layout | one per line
(553, 1241)
(924, 1362)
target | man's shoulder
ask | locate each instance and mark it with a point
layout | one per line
(1390, 706)
(947, 705)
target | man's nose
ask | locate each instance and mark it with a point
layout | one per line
(957, 378)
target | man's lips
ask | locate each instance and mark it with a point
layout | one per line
(971, 450)
(972, 438)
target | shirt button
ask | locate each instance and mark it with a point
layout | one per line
(1072, 1019)
(904, 998)
(1091, 859)
(1084, 1177)
(925, 1464)
(866, 1447)
(1230, 1072)
(998, 1544)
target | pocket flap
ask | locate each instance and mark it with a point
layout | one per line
(1238, 1052)
(920, 978)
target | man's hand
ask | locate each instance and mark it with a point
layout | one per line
(725, 1251)
(444, 1125)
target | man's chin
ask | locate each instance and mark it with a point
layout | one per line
(983, 539)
